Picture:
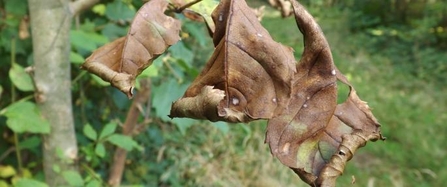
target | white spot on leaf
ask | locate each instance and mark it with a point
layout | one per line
(221, 17)
(235, 101)
(285, 148)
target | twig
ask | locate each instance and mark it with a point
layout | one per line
(130, 124)
(6, 153)
(91, 172)
(78, 6)
(185, 6)
(171, 69)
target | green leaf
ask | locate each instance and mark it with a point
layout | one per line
(25, 117)
(7, 171)
(107, 130)
(205, 9)
(99, 81)
(99, 9)
(87, 40)
(100, 150)
(18, 8)
(90, 132)
(94, 183)
(197, 32)
(151, 71)
(125, 142)
(20, 78)
(126, 12)
(3, 183)
(180, 51)
(30, 142)
(73, 178)
(113, 31)
(76, 58)
(164, 95)
(183, 124)
(25, 182)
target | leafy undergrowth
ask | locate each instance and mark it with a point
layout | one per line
(208, 155)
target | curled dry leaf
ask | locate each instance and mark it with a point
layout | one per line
(253, 71)
(313, 135)
(150, 34)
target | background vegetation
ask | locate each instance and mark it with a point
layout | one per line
(392, 51)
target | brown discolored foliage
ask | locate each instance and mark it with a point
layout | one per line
(313, 135)
(150, 34)
(253, 72)
(253, 75)
(250, 77)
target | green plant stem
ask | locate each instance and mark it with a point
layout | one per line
(171, 69)
(78, 77)
(91, 172)
(13, 99)
(13, 60)
(19, 157)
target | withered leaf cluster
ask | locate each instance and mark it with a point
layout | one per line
(250, 76)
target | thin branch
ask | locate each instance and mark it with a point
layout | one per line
(6, 153)
(171, 69)
(78, 6)
(185, 6)
(130, 124)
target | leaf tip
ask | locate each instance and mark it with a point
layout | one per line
(130, 93)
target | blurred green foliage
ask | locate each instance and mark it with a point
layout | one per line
(392, 51)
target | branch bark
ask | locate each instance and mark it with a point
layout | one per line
(50, 26)
(119, 158)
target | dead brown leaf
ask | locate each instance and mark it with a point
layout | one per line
(313, 135)
(150, 34)
(253, 71)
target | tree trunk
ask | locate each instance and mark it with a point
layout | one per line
(50, 26)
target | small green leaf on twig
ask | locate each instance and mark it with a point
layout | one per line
(90, 132)
(107, 130)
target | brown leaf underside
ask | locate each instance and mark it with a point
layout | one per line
(249, 76)
(150, 34)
